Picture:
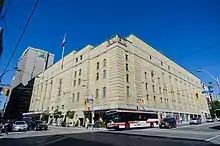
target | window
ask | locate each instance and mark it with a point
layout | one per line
(126, 67)
(153, 88)
(97, 76)
(59, 90)
(78, 96)
(158, 80)
(146, 86)
(104, 63)
(161, 99)
(104, 92)
(79, 72)
(160, 90)
(52, 108)
(97, 93)
(79, 82)
(154, 98)
(104, 73)
(97, 65)
(62, 106)
(145, 75)
(81, 57)
(127, 77)
(161, 63)
(150, 57)
(57, 107)
(128, 91)
(75, 74)
(74, 83)
(76, 60)
(126, 57)
(147, 96)
(73, 97)
(168, 67)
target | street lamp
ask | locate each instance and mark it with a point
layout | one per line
(215, 79)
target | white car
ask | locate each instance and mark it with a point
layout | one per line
(20, 126)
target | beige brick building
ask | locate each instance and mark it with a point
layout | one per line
(116, 74)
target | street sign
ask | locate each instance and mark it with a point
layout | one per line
(90, 100)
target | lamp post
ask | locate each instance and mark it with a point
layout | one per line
(215, 79)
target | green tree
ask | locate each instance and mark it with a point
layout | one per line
(70, 114)
(45, 116)
(57, 114)
(215, 108)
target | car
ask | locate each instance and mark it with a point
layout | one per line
(209, 120)
(218, 119)
(39, 125)
(195, 121)
(20, 126)
(168, 122)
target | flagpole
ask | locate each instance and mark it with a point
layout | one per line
(63, 49)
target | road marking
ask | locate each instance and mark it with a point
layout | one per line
(209, 139)
(51, 142)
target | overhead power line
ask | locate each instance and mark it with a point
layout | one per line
(21, 36)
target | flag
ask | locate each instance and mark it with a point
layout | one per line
(64, 41)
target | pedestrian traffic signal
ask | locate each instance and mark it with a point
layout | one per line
(6, 92)
(198, 95)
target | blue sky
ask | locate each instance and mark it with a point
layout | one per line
(175, 27)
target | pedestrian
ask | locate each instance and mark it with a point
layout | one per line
(96, 125)
(6, 125)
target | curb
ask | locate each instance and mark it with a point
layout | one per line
(153, 136)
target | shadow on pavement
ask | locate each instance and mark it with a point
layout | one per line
(97, 139)
(215, 127)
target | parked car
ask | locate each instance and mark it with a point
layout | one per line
(20, 126)
(218, 119)
(209, 120)
(195, 121)
(39, 125)
(63, 124)
(168, 122)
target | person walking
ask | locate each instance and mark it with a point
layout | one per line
(6, 126)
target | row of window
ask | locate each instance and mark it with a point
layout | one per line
(103, 93)
(104, 75)
(81, 57)
(104, 64)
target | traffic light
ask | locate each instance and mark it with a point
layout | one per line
(198, 95)
(84, 101)
(6, 92)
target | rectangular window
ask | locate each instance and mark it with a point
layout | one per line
(104, 63)
(128, 91)
(146, 86)
(160, 90)
(154, 98)
(57, 107)
(126, 67)
(126, 57)
(161, 99)
(75, 74)
(147, 96)
(97, 76)
(62, 106)
(97, 65)
(153, 88)
(168, 67)
(52, 108)
(80, 72)
(161, 63)
(127, 77)
(97, 93)
(81, 57)
(104, 92)
(145, 75)
(74, 83)
(73, 97)
(79, 82)
(150, 57)
(76, 60)
(60, 85)
(104, 73)
(78, 96)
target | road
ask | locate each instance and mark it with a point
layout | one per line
(198, 135)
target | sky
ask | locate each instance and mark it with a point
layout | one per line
(175, 27)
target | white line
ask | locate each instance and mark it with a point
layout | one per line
(209, 139)
(53, 141)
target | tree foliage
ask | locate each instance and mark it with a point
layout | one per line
(215, 108)
(70, 114)
(45, 116)
(57, 114)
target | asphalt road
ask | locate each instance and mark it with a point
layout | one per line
(198, 135)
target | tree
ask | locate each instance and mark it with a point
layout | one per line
(70, 114)
(45, 116)
(57, 114)
(215, 108)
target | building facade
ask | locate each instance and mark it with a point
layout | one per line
(119, 73)
(32, 62)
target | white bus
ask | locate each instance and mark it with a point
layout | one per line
(126, 119)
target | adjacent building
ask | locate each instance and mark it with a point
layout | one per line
(119, 73)
(32, 62)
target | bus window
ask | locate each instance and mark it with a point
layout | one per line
(116, 118)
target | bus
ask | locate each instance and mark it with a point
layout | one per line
(127, 119)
